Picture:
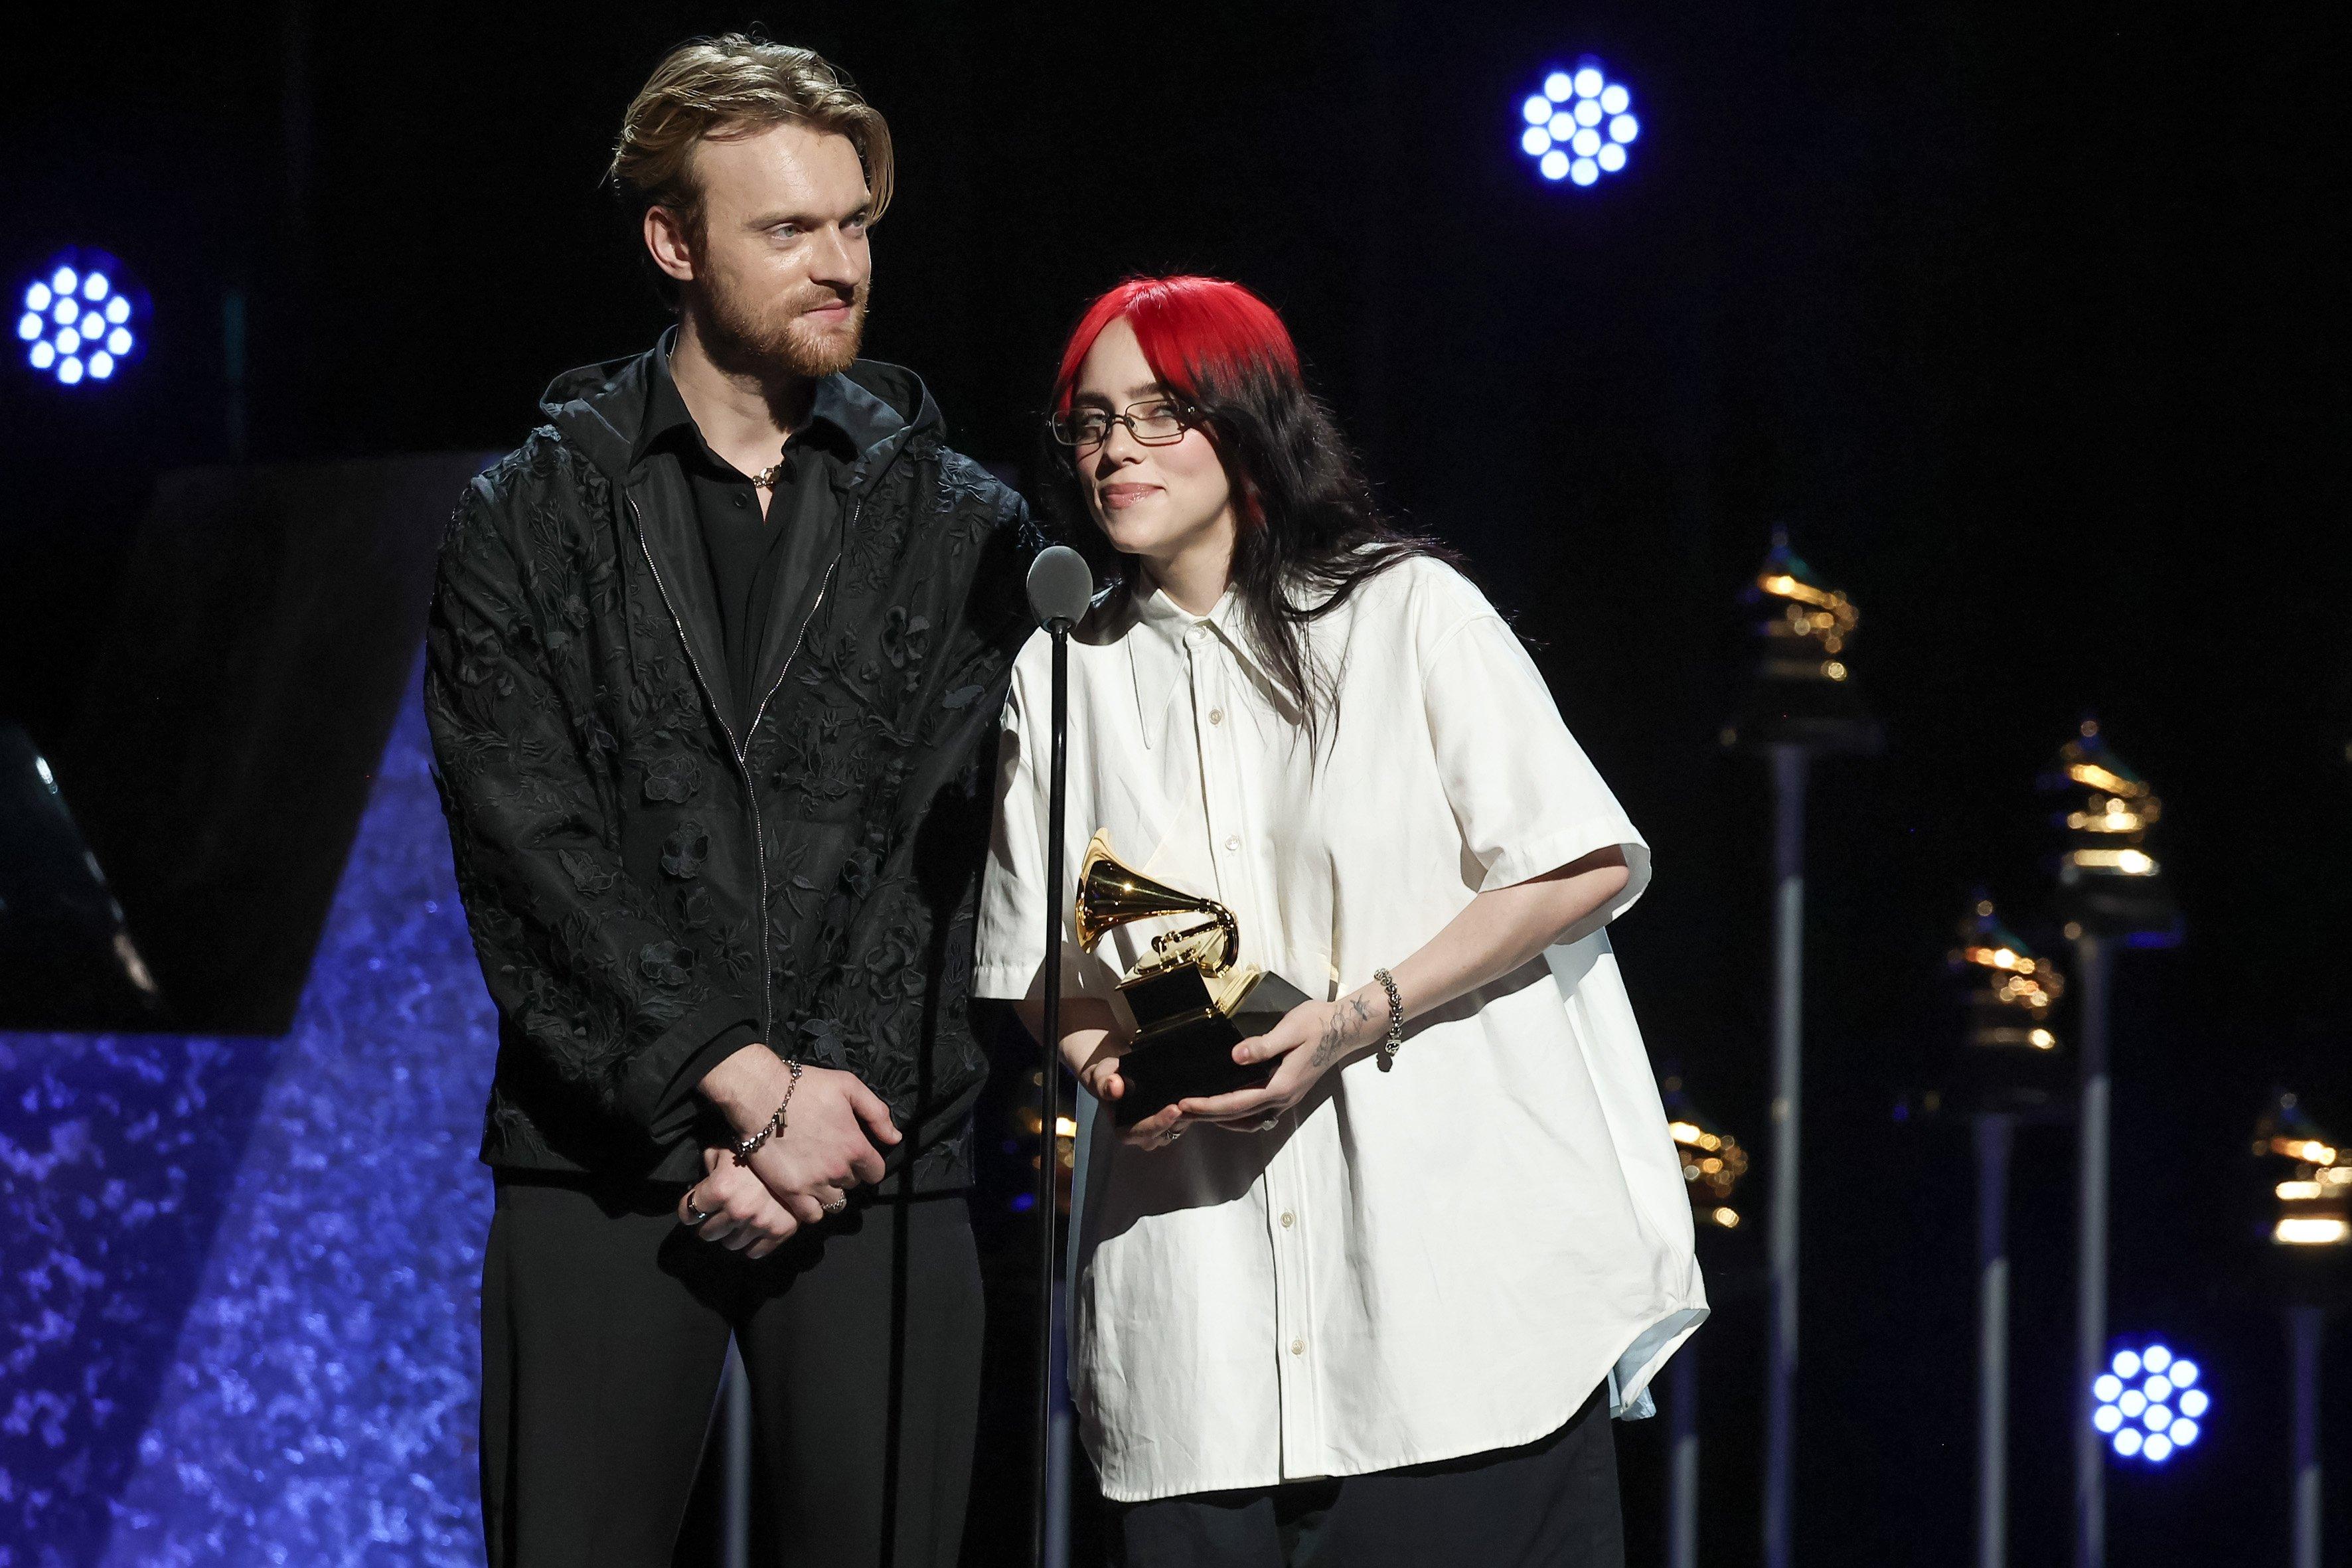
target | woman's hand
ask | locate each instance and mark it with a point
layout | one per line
(1311, 1039)
(1093, 1059)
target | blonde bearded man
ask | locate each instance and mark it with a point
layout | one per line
(713, 657)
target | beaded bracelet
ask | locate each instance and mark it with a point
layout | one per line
(751, 1146)
(1396, 1019)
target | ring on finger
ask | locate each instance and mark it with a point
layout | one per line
(1268, 1125)
(695, 1216)
(837, 1206)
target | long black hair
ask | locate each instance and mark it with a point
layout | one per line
(1311, 532)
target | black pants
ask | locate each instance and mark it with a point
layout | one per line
(1551, 1504)
(604, 1329)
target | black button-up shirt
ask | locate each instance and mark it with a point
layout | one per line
(758, 562)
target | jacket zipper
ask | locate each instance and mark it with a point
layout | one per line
(736, 750)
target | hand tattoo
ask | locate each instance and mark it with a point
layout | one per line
(1351, 1013)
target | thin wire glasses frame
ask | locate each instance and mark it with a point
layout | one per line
(1155, 422)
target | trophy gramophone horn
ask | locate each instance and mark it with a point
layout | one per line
(1112, 894)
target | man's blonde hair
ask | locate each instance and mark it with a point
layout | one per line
(734, 85)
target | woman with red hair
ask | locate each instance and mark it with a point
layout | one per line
(1380, 1308)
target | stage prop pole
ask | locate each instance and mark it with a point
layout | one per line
(1712, 1163)
(1994, 1139)
(2008, 1070)
(2311, 1232)
(735, 1426)
(1682, 1451)
(2111, 893)
(1802, 703)
(2303, 1331)
(1061, 584)
(2091, 1254)
(1789, 766)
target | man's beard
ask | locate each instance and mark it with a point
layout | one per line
(746, 340)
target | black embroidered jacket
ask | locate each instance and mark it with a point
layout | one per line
(640, 881)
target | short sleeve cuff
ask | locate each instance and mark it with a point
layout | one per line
(1083, 974)
(1524, 862)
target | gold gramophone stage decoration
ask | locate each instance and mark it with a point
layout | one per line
(2011, 990)
(1803, 690)
(1712, 1160)
(2314, 1194)
(2008, 1061)
(1192, 996)
(2109, 883)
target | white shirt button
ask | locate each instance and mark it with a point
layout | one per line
(1298, 1347)
(1289, 1219)
(1216, 715)
(1232, 841)
(1198, 634)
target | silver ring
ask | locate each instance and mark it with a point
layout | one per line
(1269, 1124)
(837, 1206)
(1173, 1134)
(695, 1217)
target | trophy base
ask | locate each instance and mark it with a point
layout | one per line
(1187, 1058)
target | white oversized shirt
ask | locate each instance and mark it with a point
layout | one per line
(1416, 1265)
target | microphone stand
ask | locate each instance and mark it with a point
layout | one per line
(1049, 1141)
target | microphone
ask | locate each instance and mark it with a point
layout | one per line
(1061, 586)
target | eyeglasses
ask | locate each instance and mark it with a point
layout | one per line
(1158, 423)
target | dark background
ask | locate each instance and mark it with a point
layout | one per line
(2020, 320)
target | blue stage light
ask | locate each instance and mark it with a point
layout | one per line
(2146, 1406)
(83, 318)
(1578, 127)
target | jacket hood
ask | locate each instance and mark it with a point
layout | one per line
(601, 409)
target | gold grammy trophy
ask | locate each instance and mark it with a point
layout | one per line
(1192, 999)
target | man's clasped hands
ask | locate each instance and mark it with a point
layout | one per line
(800, 1174)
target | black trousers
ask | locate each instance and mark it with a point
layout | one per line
(1551, 1504)
(604, 1330)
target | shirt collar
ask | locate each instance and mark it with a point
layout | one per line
(1156, 643)
(842, 413)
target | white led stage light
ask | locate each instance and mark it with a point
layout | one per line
(1579, 127)
(2149, 1403)
(81, 319)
